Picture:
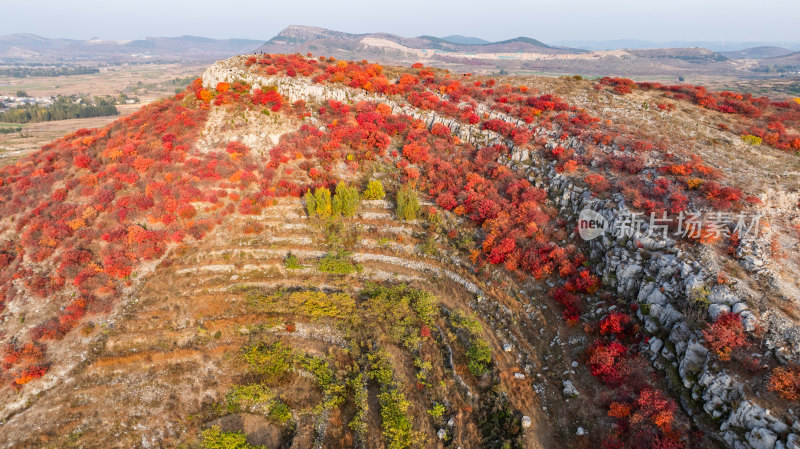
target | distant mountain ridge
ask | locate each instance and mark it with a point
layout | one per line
(21, 47)
(626, 58)
(638, 44)
(303, 39)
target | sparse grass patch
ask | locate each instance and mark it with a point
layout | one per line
(332, 389)
(280, 412)
(395, 422)
(271, 361)
(255, 398)
(359, 394)
(479, 353)
(214, 438)
(309, 303)
(291, 262)
(337, 262)
(398, 312)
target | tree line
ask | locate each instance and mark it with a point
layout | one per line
(63, 108)
(24, 72)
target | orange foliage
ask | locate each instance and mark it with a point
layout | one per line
(619, 410)
(206, 95)
(785, 382)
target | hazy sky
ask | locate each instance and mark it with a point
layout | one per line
(551, 20)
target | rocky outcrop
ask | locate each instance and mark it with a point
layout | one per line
(299, 88)
(671, 286)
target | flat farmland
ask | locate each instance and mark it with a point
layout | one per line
(143, 82)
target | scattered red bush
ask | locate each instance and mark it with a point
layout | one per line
(616, 324)
(725, 335)
(785, 382)
(606, 360)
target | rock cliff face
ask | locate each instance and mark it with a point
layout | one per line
(664, 280)
(664, 276)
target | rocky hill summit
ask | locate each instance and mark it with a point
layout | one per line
(309, 252)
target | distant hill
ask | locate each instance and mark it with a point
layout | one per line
(464, 40)
(471, 54)
(782, 65)
(696, 55)
(295, 34)
(30, 47)
(384, 46)
(637, 44)
(758, 53)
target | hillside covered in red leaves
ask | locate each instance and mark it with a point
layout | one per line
(89, 215)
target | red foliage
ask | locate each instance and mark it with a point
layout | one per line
(725, 335)
(500, 252)
(187, 212)
(425, 331)
(597, 183)
(269, 98)
(447, 201)
(237, 148)
(584, 282)
(117, 265)
(30, 373)
(606, 360)
(615, 324)
(654, 406)
(415, 152)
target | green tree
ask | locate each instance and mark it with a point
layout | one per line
(345, 201)
(397, 427)
(480, 356)
(407, 203)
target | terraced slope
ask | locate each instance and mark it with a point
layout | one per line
(173, 362)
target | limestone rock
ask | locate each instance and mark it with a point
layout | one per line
(693, 360)
(761, 438)
(569, 390)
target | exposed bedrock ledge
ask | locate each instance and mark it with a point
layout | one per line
(660, 276)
